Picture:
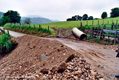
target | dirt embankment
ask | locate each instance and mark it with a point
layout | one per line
(38, 59)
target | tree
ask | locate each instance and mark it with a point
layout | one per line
(85, 17)
(79, 18)
(27, 21)
(104, 15)
(74, 18)
(11, 17)
(69, 19)
(1, 21)
(90, 18)
(114, 12)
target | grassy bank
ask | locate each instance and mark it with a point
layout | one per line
(29, 29)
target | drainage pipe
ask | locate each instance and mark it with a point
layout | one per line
(78, 33)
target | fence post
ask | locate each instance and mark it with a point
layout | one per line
(86, 22)
(48, 28)
(103, 21)
(92, 22)
(112, 27)
(98, 22)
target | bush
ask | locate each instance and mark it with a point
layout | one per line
(6, 45)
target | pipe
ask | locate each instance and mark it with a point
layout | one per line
(78, 33)
(111, 31)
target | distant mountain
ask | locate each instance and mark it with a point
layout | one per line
(37, 20)
(1, 14)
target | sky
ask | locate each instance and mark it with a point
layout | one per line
(59, 9)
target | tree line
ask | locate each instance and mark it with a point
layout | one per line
(12, 17)
(114, 13)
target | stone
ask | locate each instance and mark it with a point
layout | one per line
(70, 58)
(62, 68)
(44, 71)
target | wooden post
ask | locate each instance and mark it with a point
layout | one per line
(103, 21)
(108, 22)
(92, 22)
(98, 22)
(48, 28)
(34, 26)
(86, 22)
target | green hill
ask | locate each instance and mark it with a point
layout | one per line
(71, 24)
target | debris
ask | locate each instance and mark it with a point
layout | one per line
(117, 54)
(44, 71)
(62, 68)
(70, 58)
(72, 70)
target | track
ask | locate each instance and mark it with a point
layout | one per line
(101, 57)
(14, 34)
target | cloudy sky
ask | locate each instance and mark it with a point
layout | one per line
(58, 9)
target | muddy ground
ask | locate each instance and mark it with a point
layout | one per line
(102, 57)
(38, 58)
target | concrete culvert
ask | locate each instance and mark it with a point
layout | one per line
(117, 54)
(117, 77)
(79, 34)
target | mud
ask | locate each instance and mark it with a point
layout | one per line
(37, 58)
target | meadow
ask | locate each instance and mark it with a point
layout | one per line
(71, 24)
(65, 24)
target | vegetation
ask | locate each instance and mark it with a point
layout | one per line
(27, 21)
(104, 15)
(85, 17)
(71, 24)
(79, 18)
(11, 17)
(29, 29)
(6, 45)
(114, 12)
(90, 18)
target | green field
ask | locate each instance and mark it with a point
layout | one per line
(51, 27)
(71, 24)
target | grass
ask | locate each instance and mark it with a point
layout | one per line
(6, 44)
(29, 29)
(66, 24)
(71, 24)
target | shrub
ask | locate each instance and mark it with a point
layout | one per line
(6, 45)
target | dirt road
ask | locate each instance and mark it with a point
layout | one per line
(14, 34)
(101, 57)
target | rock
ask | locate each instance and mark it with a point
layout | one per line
(74, 68)
(101, 79)
(70, 58)
(54, 70)
(44, 71)
(62, 68)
